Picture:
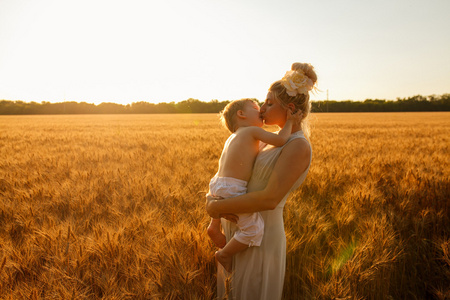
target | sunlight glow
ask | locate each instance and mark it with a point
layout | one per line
(163, 51)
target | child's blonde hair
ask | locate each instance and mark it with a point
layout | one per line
(228, 114)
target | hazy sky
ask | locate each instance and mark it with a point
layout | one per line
(162, 51)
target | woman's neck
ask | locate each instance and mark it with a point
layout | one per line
(295, 127)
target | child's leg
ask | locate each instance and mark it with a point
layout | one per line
(216, 234)
(225, 256)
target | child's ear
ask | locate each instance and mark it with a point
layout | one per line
(241, 113)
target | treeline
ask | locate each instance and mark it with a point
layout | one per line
(34, 108)
(415, 103)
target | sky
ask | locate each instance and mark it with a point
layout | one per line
(168, 51)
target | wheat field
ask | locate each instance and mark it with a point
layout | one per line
(112, 207)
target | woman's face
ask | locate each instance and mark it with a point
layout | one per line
(272, 112)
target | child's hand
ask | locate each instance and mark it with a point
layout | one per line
(294, 117)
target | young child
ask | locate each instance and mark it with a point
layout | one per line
(243, 120)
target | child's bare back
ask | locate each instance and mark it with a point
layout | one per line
(239, 154)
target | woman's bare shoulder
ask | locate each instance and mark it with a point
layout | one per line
(298, 147)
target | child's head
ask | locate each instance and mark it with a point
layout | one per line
(229, 115)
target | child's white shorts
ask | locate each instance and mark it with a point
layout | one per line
(251, 226)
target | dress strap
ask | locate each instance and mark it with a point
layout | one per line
(299, 135)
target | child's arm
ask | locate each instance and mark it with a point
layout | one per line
(283, 135)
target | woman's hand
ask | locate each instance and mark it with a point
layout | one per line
(210, 200)
(230, 217)
(210, 209)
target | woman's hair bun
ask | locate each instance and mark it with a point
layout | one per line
(308, 69)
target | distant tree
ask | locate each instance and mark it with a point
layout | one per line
(110, 108)
(166, 108)
(143, 108)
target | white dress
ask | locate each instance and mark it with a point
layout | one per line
(258, 272)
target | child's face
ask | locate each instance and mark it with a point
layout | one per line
(251, 110)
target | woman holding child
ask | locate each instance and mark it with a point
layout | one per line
(258, 271)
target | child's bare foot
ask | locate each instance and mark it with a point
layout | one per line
(217, 236)
(224, 260)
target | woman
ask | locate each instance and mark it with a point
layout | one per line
(258, 272)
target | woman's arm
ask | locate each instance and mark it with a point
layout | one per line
(293, 161)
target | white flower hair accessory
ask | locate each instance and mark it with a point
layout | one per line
(296, 82)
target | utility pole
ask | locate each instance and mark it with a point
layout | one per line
(327, 100)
